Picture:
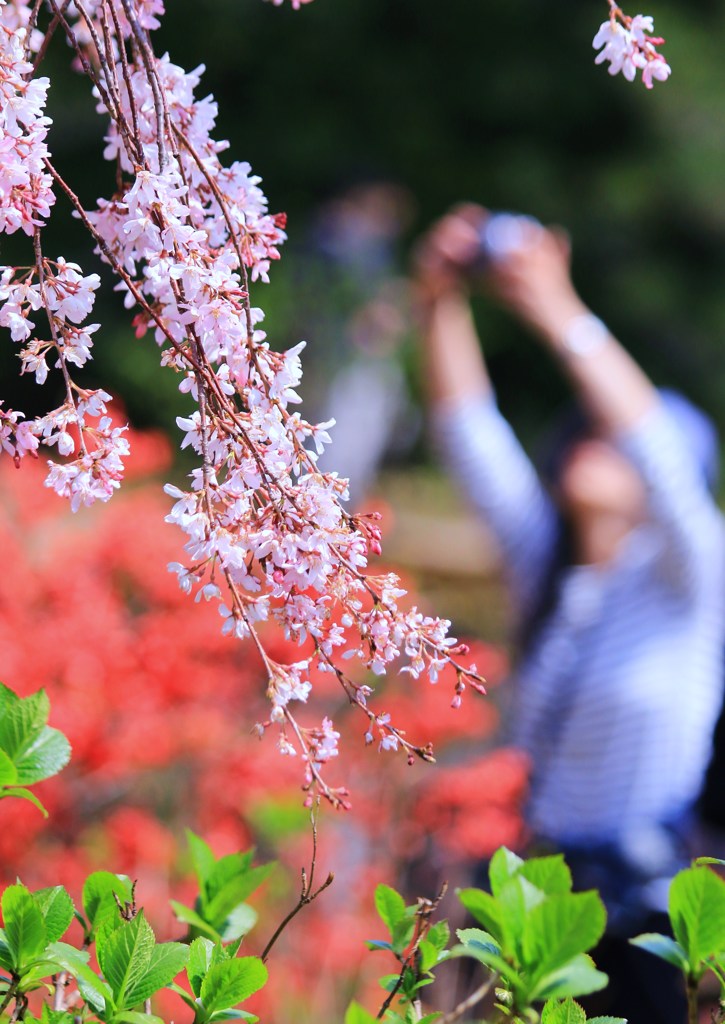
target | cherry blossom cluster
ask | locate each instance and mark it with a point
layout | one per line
(268, 538)
(56, 290)
(627, 43)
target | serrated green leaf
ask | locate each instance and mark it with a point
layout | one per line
(57, 909)
(493, 961)
(477, 937)
(517, 899)
(428, 955)
(49, 1016)
(34, 976)
(566, 1012)
(550, 874)
(664, 947)
(166, 961)
(124, 956)
(21, 722)
(199, 962)
(390, 906)
(24, 928)
(577, 978)
(225, 870)
(202, 858)
(6, 957)
(23, 794)
(48, 754)
(560, 928)
(697, 912)
(94, 990)
(195, 921)
(486, 910)
(235, 891)
(238, 922)
(439, 934)
(98, 900)
(389, 981)
(134, 1017)
(231, 982)
(8, 772)
(504, 865)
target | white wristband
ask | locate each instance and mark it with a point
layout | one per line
(584, 335)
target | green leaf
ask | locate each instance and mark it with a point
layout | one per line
(34, 977)
(25, 932)
(57, 909)
(664, 947)
(390, 906)
(194, 920)
(21, 722)
(199, 962)
(577, 978)
(226, 870)
(166, 961)
(697, 912)
(124, 956)
(517, 899)
(131, 1017)
(550, 874)
(357, 1015)
(607, 1020)
(375, 944)
(489, 959)
(504, 865)
(428, 955)
(24, 794)
(700, 861)
(46, 756)
(233, 892)
(8, 772)
(232, 982)
(183, 994)
(202, 858)
(566, 1012)
(234, 1015)
(98, 900)
(484, 908)
(439, 934)
(560, 928)
(94, 990)
(238, 922)
(480, 939)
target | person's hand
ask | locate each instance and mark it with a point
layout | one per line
(534, 280)
(442, 257)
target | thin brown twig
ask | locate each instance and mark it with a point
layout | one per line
(473, 1000)
(306, 893)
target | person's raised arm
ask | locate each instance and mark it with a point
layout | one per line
(476, 441)
(535, 283)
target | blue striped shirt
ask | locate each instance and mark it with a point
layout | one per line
(617, 699)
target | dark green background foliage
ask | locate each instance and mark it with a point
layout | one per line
(500, 103)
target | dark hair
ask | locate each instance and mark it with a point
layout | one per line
(700, 436)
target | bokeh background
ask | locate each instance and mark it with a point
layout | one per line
(497, 103)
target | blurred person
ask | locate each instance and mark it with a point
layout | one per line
(354, 369)
(616, 573)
